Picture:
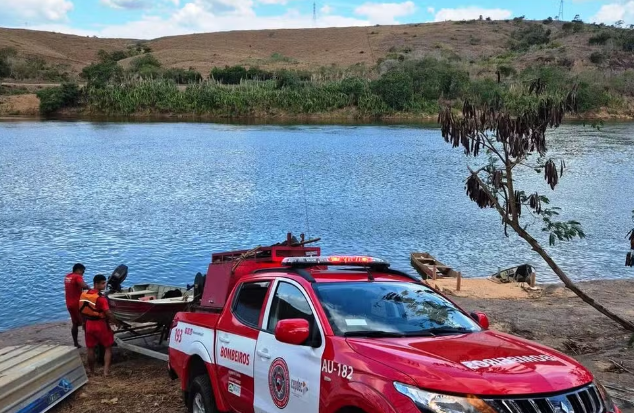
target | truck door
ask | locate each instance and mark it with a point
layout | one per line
(287, 377)
(238, 331)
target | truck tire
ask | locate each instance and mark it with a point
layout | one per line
(200, 396)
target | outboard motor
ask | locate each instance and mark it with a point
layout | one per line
(116, 279)
(198, 286)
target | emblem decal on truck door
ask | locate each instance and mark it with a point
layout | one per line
(279, 382)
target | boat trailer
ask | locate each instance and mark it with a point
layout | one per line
(149, 339)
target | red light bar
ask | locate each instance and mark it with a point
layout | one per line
(335, 260)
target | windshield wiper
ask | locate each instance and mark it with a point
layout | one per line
(374, 334)
(443, 330)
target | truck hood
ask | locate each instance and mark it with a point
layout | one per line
(484, 363)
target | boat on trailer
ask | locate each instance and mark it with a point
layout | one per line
(146, 311)
(425, 264)
(145, 303)
(149, 303)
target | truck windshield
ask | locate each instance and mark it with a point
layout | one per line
(390, 309)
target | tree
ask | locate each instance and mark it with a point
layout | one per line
(619, 24)
(395, 88)
(100, 74)
(629, 259)
(56, 98)
(512, 132)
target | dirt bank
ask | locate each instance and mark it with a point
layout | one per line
(556, 318)
(20, 105)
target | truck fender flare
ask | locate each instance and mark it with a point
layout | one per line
(362, 397)
(199, 350)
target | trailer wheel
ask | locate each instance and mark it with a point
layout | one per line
(200, 396)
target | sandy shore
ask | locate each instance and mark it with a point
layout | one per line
(555, 318)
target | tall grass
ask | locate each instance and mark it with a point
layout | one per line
(248, 98)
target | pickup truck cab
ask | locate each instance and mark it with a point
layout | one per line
(285, 330)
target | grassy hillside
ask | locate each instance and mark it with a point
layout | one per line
(365, 70)
(479, 44)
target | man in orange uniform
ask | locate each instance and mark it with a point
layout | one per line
(73, 285)
(94, 307)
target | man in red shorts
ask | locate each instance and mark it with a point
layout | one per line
(73, 285)
(94, 307)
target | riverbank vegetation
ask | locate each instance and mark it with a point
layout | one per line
(407, 80)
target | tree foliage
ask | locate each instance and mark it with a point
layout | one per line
(102, 73)
(395, 88)
(56, 98)
(233, 75)
(182, 76)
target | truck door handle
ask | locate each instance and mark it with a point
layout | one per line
(224, 340)
(264, 354)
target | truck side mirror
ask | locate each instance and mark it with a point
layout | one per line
(292, 331)
(482, 319)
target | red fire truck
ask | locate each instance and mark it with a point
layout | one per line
(283, 328)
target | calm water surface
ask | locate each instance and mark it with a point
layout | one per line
(161, 197)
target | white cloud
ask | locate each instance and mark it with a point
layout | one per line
(431, 10)
(282, 2)
(326, 9)
(385, 13)
(37, 10)
(197, 16)
(613, 12)
(470, 13)
(126, 4)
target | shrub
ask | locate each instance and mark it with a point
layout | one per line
(566, 62)
(548, 20)
(146, 64)
(287, 79)
(555, 78)
(182, 76)
(395, 88)
(597, 58)
(56, 98)
(531, 35)
(628, 41)
(507, 71)
(255, 73)
(229, 75)
(572, 27)
(100, 74)
(5, 67)
(435, 78)
(600, 39)
(112, 57)
(591, 96)
(5, 90)
(354, 88)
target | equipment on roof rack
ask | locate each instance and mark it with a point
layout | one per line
(363, 261)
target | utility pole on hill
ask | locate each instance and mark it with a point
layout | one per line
(560, 15)
(314, 14)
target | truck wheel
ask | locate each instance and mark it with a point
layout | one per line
(200, 396)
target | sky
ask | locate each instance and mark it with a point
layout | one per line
(148, 19)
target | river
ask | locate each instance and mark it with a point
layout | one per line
(161, 197)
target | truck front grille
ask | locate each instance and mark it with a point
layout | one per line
(584, 400)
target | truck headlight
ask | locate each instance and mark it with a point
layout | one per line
(443, 403)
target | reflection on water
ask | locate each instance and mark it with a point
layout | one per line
(160, 197)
